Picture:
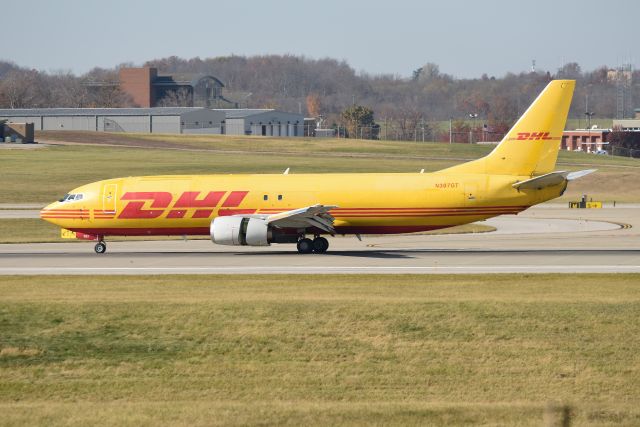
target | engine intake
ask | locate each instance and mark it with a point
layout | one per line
(240, 231)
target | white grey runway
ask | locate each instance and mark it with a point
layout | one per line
(543, 240)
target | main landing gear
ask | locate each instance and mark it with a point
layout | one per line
(318, 245)
(100, 247)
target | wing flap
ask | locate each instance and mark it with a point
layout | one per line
(312, 216)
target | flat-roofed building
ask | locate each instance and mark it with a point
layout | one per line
(630, 125)
(145, 120)
(262, 122)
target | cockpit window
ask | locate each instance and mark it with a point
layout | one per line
(71, 197)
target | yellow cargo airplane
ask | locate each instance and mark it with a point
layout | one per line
(258, 210)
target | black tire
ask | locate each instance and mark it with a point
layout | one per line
(320, 245)
(305, 246)
(100, 247)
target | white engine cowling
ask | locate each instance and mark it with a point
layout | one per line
(235, 230)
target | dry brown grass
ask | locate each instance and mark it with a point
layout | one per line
(349, 350)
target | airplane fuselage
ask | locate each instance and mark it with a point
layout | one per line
(366, 203)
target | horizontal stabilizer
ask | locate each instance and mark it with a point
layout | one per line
(550, 179)
(542, 181)
(579, 174)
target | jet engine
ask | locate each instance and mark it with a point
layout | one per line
(241, 231)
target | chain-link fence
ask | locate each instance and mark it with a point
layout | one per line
(415, 134)
(625, 152)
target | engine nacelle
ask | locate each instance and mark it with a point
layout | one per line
(235, 230)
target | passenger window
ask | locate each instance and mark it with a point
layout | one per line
(265, 197)
(279, 196)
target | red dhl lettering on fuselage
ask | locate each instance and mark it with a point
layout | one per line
(534, 136)
(159, 201)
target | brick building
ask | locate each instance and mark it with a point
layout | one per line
(149, 89)
(587, 140)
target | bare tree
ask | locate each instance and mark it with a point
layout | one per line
(177, 98)
(18, 88)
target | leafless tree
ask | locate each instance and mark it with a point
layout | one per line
(177, 98)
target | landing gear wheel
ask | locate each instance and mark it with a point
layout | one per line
(305, 246)
(100, 247)
(320, 245)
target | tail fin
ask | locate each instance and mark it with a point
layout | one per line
(531, 146)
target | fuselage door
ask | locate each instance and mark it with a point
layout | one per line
(109, 195)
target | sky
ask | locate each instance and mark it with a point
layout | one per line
(465, 38)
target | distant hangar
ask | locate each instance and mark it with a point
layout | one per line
(262, 122)
(181, 120)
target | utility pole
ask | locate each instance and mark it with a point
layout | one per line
(450, 131)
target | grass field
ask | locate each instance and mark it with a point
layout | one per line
(41, 175)
(352, 350)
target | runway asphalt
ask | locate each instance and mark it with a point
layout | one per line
(546, 239)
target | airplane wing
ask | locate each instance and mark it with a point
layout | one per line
(550, 179)
(312, 216)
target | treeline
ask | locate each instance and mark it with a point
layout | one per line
(25, 88)
(328, 87)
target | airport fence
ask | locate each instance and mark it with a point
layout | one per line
(416, 134)
(625, 152)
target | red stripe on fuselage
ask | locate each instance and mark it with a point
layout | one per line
(229, 212)
(204, 231)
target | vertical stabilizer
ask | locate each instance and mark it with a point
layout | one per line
(532, 144)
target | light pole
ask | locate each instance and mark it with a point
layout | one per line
(589, 114)
(474, 116)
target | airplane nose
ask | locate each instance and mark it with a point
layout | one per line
(49, 211)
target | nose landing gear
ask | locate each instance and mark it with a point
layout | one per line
(100, 247)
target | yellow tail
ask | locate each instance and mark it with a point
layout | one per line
(531, 146)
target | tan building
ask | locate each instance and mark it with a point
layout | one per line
(628, 125)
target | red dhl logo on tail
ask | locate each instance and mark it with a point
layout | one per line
(533, 136)
(158, 201)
